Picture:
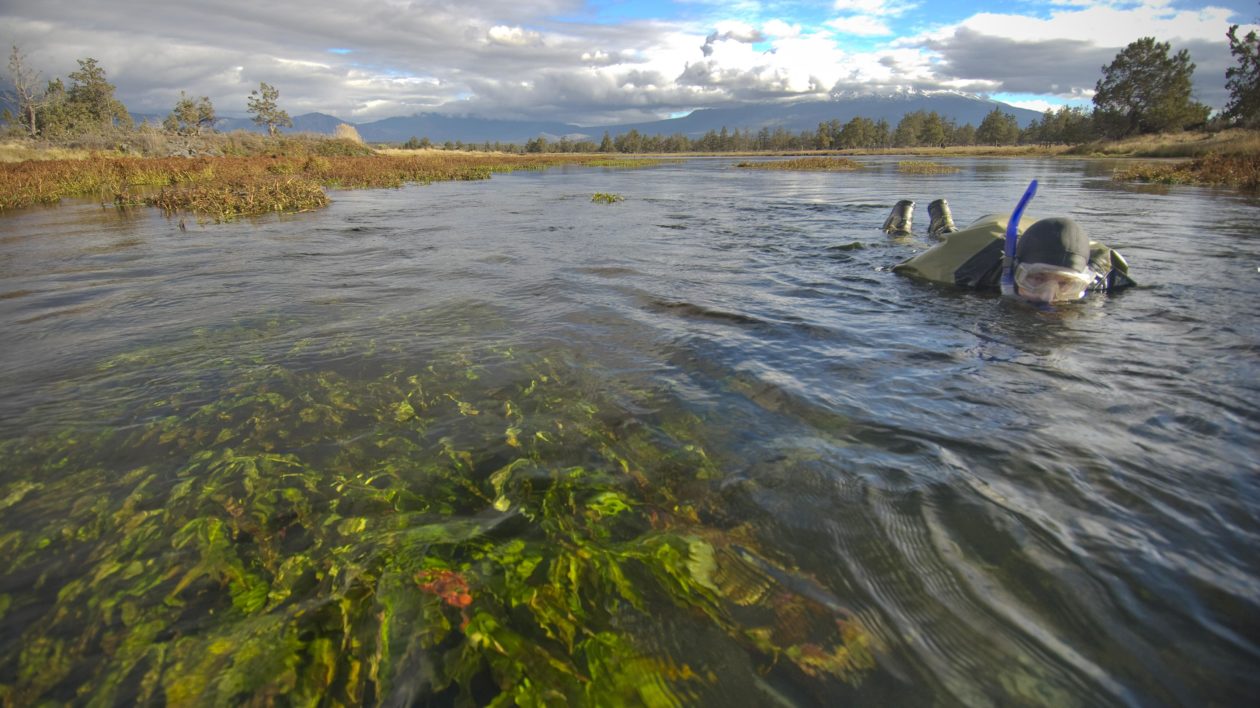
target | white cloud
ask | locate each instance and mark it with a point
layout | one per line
(504, 58)
(1036, 104)
(861, 25)
(870, 7)
(512, 35)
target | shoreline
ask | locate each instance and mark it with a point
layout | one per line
(291, 173)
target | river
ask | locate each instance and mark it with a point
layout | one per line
(700, 446)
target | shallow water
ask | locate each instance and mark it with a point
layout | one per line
(986, 503)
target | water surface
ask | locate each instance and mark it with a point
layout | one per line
(699, 446)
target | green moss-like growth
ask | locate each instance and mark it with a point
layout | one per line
(479, 526)
(606, 198)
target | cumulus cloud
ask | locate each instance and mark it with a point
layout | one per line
(861, 25)
(1063, 55)
(738, 33)
(866, 18)
(507, 59)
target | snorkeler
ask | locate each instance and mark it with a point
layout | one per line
(1052, 260)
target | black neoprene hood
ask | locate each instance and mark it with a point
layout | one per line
(1056, 241)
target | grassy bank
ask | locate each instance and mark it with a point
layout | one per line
(226, 187)
(1187, 144)
(149, 142)
(1240, 171)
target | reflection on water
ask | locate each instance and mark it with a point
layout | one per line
(449, 442)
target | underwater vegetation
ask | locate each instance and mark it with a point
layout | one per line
(226, 187)
(821, 164)
(477, 528)
(925, 167)
(606, 198)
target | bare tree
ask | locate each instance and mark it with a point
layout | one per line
(29, 94)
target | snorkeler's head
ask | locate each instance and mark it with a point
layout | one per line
(1052, 261)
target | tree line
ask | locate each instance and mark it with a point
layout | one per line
(55, 111)
(1145, 89)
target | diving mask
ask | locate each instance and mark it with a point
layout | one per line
(1043, 282)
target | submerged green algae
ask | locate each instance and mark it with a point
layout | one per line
(487, 527)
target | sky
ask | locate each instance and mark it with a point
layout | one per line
(601, 62)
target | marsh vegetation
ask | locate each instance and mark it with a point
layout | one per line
(227, 187)
(925, 167)
(813, 164)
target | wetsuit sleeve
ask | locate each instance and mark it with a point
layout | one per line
(1112, 269)
(971, 257)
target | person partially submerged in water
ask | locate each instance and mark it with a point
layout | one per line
(1053, 259)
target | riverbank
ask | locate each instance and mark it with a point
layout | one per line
(223, 188)
(230, 175)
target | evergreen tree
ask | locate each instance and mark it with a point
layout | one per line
(998, 128)
(908, 129)
(1144, 90)
(262, 104)
(1243, 81)
(964, 135)
(92, 98)
(190, 116)
(932, 131)
(606, 145)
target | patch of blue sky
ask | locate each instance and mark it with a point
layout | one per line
(340, 50)
(613, 12)
(1040, 101)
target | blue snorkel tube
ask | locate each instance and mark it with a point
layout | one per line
(1012, 233)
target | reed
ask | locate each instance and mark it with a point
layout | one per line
(814, 164)
(1235, 141)
(234, 186)
(1240, 170)
(628, 162)
(925, 167)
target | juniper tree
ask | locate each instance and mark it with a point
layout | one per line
(1243, 81)
(1144, 90)
(262, 104)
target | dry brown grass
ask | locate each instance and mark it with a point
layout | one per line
(1236, 141)
(924, 167)
(1241, 171)
(345, 131)
(225, 187)
(814, 164)
(22, 150)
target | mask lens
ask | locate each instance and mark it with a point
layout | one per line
(1046, 283)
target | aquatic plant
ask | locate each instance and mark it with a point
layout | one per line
(477, 528)
(628, 162)
(823, 164)
(606, 198)
(246, 185)
(925, 167)
(228, 201)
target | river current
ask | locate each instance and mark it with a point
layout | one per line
(1009, 505)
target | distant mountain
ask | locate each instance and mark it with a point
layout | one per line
(806, 115)
(440, 128)
(305, 123)
(793, 117)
